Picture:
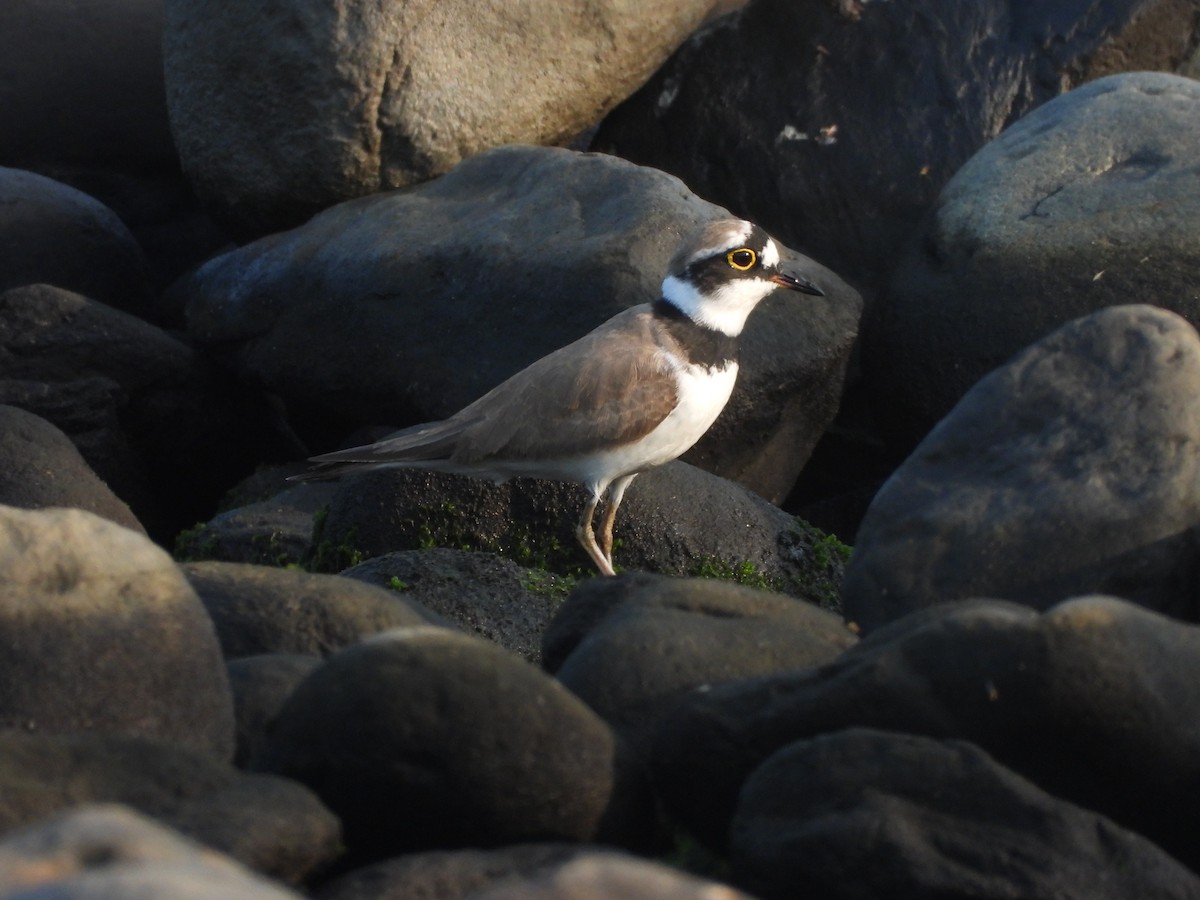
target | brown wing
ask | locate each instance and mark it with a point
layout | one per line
(611, 386)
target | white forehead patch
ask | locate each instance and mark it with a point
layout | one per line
(770, 255)
(731, 237)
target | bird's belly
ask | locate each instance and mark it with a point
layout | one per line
(703, 393)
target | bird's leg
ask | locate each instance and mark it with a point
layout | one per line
(615, 492)
(586, 537)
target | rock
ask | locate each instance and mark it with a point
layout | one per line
(40, 467)
(261, 685)
(103, 633)
(437, 306)
(135, 400)
(543, 871)
(269, 824)
(84, 85)
(939, 819)
(1090, 700)
(276, 530)
(279, 116)
(257, 609)
(424, 738)
(601, 875)
(1087, 202)
(108, 850)
(853, 115)
(54, 234)
(1073, 469)
(630, 646)
(487, 595)
(452, 874)
(675, 519)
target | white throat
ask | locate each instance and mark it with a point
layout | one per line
(724, 310)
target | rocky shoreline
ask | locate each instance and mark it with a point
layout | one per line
(916, 617)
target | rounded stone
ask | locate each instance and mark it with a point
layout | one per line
(425, 738)
(99, 631)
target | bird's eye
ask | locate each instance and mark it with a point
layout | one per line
(742, 259)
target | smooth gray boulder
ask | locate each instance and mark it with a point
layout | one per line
(423, 737)
(260, 609)
(603, 875)
(107, 850)
(1092, 700)
(1073, 469)
(631, 646)
(101, 632)
(865, 814)
(279, 112)
(483, 593)
(1088, 201)
(54, 234)
(261, 685)
(40, 467)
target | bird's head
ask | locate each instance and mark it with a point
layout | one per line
(722, 272)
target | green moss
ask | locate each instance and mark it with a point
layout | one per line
(271, 550)
(530, 546)
(828, 551)
(547, 584)
(395, 584)
(742, 572)
(195, 544)
(823, 560)
(329, 554)
(690, 855)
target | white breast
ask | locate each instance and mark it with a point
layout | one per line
(702, 392)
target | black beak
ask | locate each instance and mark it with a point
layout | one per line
(796, 283)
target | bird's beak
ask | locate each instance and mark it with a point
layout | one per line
(796, 283)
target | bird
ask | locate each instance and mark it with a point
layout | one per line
(635, 393)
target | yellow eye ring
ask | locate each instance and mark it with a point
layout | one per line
(742, 259)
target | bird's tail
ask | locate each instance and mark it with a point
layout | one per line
(426, 443)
